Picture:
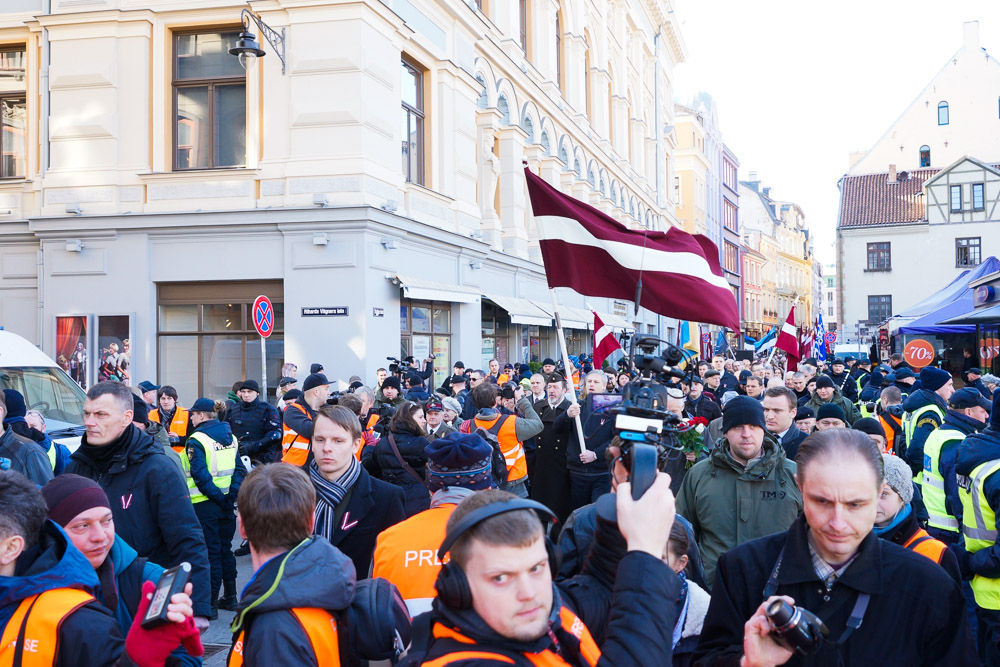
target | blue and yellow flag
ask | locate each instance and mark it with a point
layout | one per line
(687, 340)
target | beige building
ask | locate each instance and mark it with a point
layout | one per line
(366, 175)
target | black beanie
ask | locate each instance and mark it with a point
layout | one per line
(831, 411)
(68, 495)
(140, 411)
(824, 381)
(869, 425)
(743, 410)
(391, 381)
(16, 406)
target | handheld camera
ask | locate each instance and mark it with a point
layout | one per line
(795, 628)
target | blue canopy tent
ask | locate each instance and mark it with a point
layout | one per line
(952, 301)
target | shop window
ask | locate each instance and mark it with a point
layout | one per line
(425, 329)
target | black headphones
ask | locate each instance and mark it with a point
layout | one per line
(451, 585)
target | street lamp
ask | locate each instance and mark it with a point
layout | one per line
(248, 50)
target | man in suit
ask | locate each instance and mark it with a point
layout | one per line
(780, 406)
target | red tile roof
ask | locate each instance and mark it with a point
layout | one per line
(869, 199)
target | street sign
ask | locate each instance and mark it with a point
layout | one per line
(263, 316)
(918, 353)
(830, 337)
(706, 338)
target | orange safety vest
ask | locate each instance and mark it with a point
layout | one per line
(925, 545)
(406, 555)
(178, 425)
(513, 452)
(321, 628)
(295, 447)
(45, 613)
(467, 650)
(890, 425)
(369, 432)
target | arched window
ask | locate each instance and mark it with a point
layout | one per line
(528, 128)
(942, 113)
(546, 147)
(925, 156)
(591, 179)
(484, 99)
(504, 109)
(564, 156)
(577, 168)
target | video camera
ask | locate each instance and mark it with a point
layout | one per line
(396, 367)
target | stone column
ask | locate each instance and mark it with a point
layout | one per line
(487, 121)
(513, 196)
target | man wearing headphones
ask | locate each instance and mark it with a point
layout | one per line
(497, 604)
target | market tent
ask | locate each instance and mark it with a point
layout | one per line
(989, 315)
(952, 301)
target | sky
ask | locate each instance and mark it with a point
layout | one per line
(799, 84)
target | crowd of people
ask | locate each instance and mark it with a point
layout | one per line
(496, 509)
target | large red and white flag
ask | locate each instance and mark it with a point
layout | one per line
(604, 341)
(590, 252)
(805, 344)
(788, 340)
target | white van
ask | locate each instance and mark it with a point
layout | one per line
(45, 387)
(851, 350)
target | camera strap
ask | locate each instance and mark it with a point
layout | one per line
(857, 613)
(406, 466)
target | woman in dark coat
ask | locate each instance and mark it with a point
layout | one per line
(406, 429)
(915, 611)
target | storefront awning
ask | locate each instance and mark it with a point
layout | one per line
(430, 290)
(615, 321)
(522, 311)
(572, 318)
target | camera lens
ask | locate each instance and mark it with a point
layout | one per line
(780, 612)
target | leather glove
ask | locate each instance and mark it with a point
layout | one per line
(151, 648)
(963, 557)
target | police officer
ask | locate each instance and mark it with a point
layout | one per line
(924, 412)
(214, 474)
(256, 425)
(967, 413)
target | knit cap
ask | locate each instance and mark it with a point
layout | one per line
(459, 459)
(69, 495)
(16, 406)
(743, 410)
(932, 378)
(869, 425)
(451, 403)
(804, 412)
(831, 411)
(824, 381)
(899, 476)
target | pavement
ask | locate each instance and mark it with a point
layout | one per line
(217, 639)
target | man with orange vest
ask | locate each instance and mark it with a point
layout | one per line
(896, 521)
(48, 612)
(890, 413)
(284, 614)
(510, 430)
(458, 465)
(497, 604)
(298, 419)
(171, 416)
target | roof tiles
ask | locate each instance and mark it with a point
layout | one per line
(869, 199)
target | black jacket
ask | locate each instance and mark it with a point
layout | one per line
(705, 407)
(639, 625)
(89, 635)
(916, 614)
(846, 384)
(791, 440)
(550, 478)
(312, 575)
(151, 506)
(372, 506)
(257, 427)
(384, 465)
(598, 429)
(24, 456)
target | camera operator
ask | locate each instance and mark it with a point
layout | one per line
(505, 609)
(831, 563)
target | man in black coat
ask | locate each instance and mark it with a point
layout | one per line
(780, 408)
(842, 380)
(150, 500)
(550, 477)
(701, 404)
(256, 425)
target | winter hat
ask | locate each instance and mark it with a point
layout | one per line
(805, 412)
(318, 380)
(251, 385)
(548, 362)
(354, 386)
(458, 379)
(902, 373)
(743, 410)
(146, 385)
(824, 381)
(837, 361)
(203, 405)
(451, 403)
(869, 425)
(140, 411)
(443, 392)
(899, 476)
(68, 495)
(16, 406)
(932, 378)
(291, 395)
(459, 459)
(458, 364)
(974, 371)
(728, 396)
(831, 411)
(315, 368)
(285, 381)
(523, 369)
(391, 381)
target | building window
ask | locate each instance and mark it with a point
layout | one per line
(942, 113)
(731, 258)
(210, 105)
(967, 252)
(13, 114)
(925, 156)
(978, 196)
(425, 329)
(413, 124)
(829, 311)
(879, 256)
(524, 26)
(729, 215)
(879, 308)
(956, 198)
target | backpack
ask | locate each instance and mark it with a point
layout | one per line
(499, 461)
(377, 623)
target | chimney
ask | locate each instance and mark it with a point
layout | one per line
(971, 34)
(892, 174)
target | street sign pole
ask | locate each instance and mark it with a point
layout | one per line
(263, 322)
(263, 367)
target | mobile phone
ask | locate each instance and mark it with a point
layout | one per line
(171, 581)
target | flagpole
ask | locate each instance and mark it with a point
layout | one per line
(569, 377)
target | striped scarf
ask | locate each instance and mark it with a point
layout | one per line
(329, 494)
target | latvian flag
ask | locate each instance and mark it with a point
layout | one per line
(588, 251)
(604, 341)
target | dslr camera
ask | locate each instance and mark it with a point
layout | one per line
(507, 390)
(795, 628)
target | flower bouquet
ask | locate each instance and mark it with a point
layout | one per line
(691, 440)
